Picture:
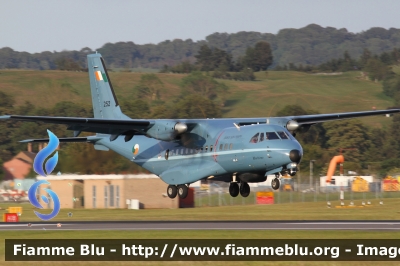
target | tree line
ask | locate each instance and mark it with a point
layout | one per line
(257, 58)
(310, 45)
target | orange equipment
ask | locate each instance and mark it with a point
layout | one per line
(332, 166)
(391, 184)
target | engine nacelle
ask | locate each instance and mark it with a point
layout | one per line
(292, 125)
(166, 130)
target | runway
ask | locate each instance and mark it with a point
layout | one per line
(206, 225)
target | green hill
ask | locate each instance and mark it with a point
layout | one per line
(263, 97)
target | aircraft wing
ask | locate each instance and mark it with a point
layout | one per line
(313, 119)
(96, 125)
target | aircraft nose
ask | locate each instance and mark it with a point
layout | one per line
(295, 156)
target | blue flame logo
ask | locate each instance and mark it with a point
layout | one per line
(43, 154)
(38, 167)
(35, 202)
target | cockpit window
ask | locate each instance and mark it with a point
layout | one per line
(282, 135)
(254, 139)
(262, 136)
(271, 136)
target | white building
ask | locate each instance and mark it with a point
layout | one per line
(342, 181)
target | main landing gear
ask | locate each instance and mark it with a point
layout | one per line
(275, 183)
(234, 189)
(180, 190)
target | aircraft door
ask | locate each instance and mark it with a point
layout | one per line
(238, 155)
(229, 151)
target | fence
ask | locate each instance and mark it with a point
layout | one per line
(218, 195)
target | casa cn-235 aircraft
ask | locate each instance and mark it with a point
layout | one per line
(182, 151)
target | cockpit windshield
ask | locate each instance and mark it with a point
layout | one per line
(262, 136)
(254, 139)
(283, 135)
(271, 136)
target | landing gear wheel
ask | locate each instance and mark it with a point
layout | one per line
(172, 191)
(183, 191)
(234, 189)
(275, 183)
(244, 190)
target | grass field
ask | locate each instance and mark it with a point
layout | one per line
(263, 97)
(224, 199)
(390, 210)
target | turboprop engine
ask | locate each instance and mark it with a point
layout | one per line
(166, 130)
(292, 125)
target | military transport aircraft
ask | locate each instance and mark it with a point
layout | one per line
(182, 151)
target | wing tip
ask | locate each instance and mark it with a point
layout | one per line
(26, 141)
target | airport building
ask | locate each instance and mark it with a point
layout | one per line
(347, 183)
(112, 191)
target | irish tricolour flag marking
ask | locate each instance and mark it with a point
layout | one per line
(135, 149)
(100, 76)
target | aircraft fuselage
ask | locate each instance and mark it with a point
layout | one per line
(215, 147)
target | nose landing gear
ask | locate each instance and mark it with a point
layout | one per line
(275, 183)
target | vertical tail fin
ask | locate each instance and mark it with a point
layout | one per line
(105, 103)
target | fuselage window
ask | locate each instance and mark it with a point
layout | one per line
(166, 154)
(211, 147)
(226, 147)
(221, 147)
(271, 136)
(262, 136)
(206, 149)
(254, 139)
(231, 146)
(282, 135)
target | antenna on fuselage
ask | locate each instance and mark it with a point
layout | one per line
(238, 127)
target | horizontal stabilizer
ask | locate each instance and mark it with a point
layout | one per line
(80, 139)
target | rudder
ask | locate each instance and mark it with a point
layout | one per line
(105, 103)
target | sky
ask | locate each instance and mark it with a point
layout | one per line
(39, 25)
